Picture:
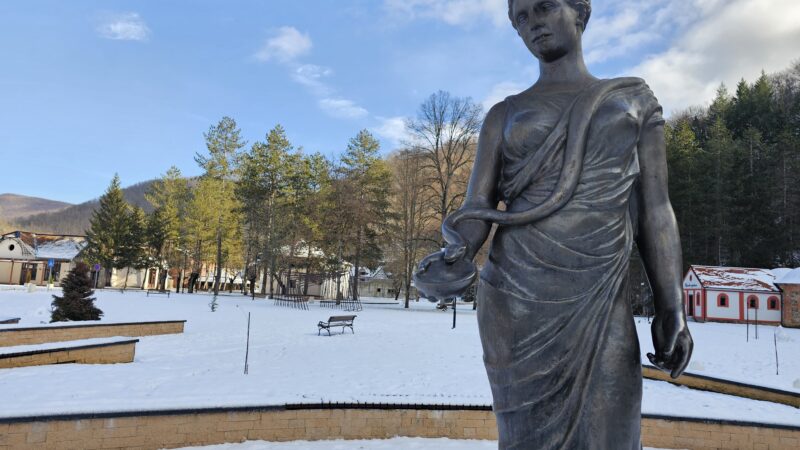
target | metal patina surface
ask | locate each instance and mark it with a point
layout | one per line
(580, 164)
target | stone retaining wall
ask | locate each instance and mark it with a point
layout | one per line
(40, 335)
(712, 384)
(153, 430)
(111, 353)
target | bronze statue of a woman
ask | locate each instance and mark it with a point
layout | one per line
(580, 164)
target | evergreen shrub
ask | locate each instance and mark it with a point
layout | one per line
(77, 302)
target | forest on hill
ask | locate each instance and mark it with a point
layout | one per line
(13, 206)
(734, 174)
(75, 219)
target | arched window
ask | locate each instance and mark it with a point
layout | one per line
(752, 302)
(722, 301)
(773, 303)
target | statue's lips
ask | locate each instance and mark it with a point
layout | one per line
(541, 37)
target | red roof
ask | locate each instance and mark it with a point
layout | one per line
(735, 278)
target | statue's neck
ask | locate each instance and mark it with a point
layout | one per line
(567, 70)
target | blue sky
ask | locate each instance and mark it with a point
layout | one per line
(90, 88)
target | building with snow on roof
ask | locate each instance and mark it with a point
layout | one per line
(37, 258)
(732, 294)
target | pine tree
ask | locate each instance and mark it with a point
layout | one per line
(261, 189)
(223, 142)
(167, 228)
(362, 202)
(77, 302)
(108, 230)
(133, 254)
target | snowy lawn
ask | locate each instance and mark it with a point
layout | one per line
(722, 350)
(395, 356)
(378, 444)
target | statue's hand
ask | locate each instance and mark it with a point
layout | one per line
(672, 342)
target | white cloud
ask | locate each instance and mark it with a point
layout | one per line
(734, 39)
(453, 12)
(342, 108)
(124, 27)
(286, 45)
(499, 92)
(312, 76)
(393, 130)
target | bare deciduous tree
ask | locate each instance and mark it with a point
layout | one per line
(414, 225)
(445, 133)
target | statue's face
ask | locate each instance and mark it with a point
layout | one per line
(549, 28)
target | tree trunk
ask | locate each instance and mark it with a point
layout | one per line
(356, 263)
(218, 272)
(127, 274)
(308, 269)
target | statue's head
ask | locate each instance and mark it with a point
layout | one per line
(550, 28)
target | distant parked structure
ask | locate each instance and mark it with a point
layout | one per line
(27, 257)
(734, 294)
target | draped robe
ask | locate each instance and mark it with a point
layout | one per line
(560, 346)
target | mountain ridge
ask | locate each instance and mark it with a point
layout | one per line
(74, 219)
(13, 206)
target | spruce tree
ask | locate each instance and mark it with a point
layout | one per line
(105, 238)
(77, 302)
(132, 251)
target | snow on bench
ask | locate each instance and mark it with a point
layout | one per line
(9, 320)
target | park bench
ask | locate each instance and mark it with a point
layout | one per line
(336, 321)
(8, 320)
(157, 292)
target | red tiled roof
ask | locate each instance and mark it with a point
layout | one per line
(735, 278)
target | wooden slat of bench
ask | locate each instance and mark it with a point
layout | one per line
(340, 318)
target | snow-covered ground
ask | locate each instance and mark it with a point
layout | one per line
(395, 356)
(377, 444)
(722, 350)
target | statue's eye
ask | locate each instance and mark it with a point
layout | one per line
(522, 18)
(544, 6)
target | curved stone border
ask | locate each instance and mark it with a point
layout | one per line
(721, 386)
(120, 351)
(13, 336)
(179, 428)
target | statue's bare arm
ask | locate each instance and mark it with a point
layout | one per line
(482, 188)
(659, 245)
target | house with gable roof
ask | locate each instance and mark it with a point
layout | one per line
(732, 294)
(27, 257)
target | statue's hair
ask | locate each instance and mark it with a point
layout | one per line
(584, 8)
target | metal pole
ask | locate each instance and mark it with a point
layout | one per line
(756, 322)
(775, 341)
(747, 321)
(247, 350)
(455, 301)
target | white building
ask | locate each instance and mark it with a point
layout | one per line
(732, 294)
(27, 257)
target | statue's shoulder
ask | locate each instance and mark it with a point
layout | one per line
(637, 91)
(640, 97)
(498, 112)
